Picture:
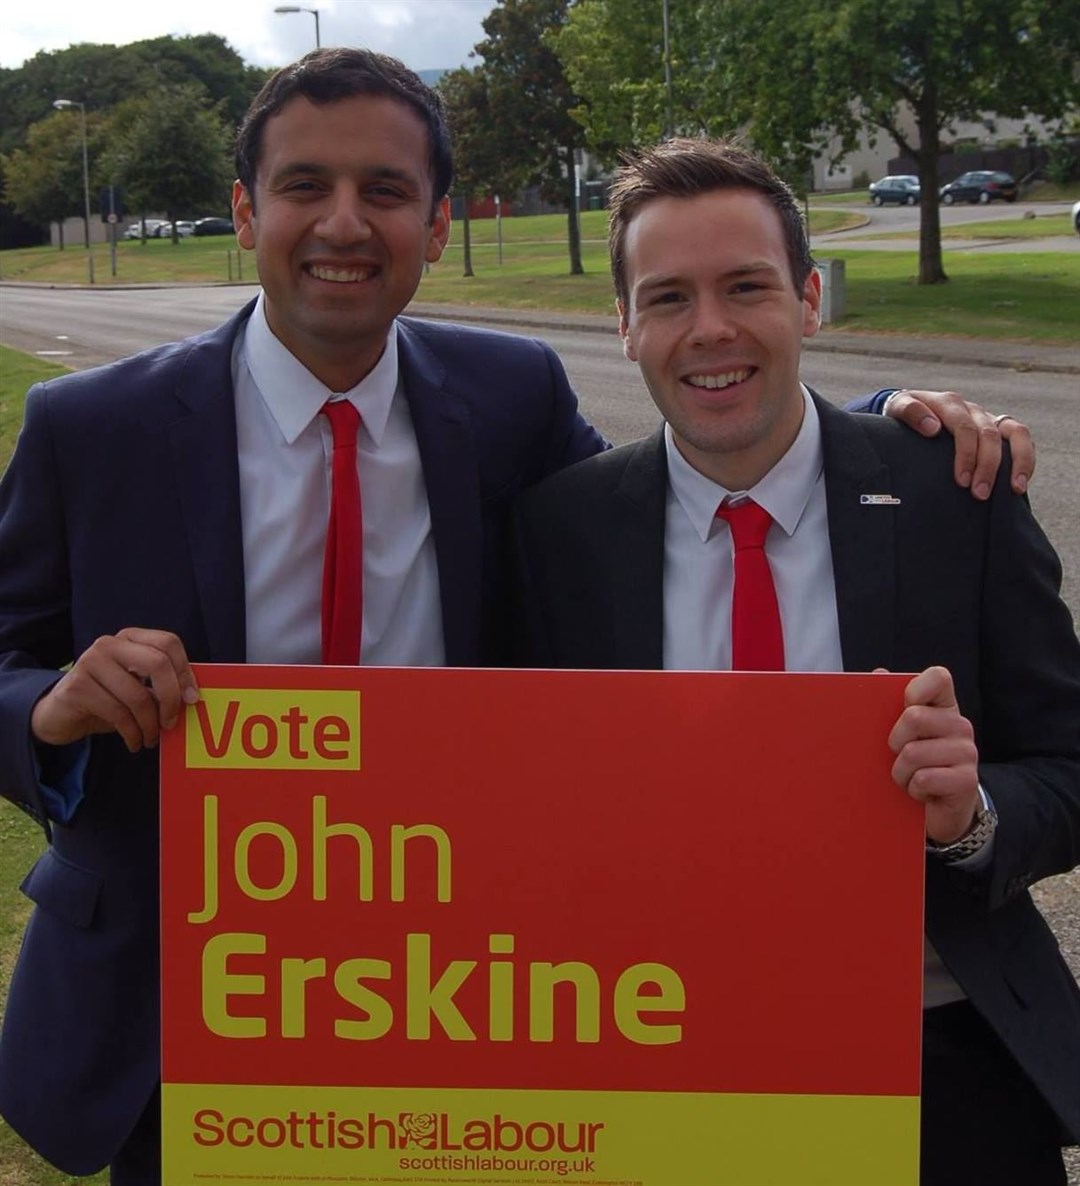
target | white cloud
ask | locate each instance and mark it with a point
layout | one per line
(425, 34)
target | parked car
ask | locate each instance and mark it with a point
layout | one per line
(1076, 217)
(183, 229)
(980, 186)
(213, 226)
(902, 188)
(135, 231)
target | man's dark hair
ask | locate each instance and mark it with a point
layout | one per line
(684, 168)
(326, 75)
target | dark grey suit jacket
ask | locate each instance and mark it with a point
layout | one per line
(936, 579)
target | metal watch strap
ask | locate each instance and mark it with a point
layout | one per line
(982, 828)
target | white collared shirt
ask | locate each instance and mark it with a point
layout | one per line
(699, 570)
(285, 450)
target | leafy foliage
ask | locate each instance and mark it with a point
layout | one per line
(530, 102)
(44, 181)
(480, 167)
(804, 78)
(170, 152)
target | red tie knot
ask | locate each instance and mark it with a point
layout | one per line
(344, 419)
(749, 524)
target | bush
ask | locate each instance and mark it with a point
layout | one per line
(1062, 160)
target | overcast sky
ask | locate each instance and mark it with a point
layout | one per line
(425, 34)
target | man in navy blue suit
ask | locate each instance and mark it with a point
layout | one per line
(172, 508)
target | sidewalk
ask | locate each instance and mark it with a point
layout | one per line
(1017, 356)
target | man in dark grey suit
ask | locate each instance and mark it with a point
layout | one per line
(878, 562)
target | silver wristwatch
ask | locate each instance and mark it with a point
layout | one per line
(973, 840)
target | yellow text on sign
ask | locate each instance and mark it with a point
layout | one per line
(275, 729)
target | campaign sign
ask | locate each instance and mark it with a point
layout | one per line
(453, 926)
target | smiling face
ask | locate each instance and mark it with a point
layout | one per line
(716, 324)
(341, 225)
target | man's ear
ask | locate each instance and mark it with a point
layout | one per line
(440, 232)
(243, 211)
(624, 331)
(812, 304)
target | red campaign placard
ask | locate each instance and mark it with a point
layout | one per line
(542, 882)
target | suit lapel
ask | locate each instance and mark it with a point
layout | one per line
(638, 557)
(207, 481)
(861, 537)
(451, 474)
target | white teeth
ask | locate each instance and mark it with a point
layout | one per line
(715, 381)
(340, 275)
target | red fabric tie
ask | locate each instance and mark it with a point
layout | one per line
(757, 639)
(343, 562)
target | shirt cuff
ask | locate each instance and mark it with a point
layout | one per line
(60, 770)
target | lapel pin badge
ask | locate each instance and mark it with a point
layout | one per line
(878, 500)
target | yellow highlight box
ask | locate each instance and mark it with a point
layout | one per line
(277, 729)
(535, 1138)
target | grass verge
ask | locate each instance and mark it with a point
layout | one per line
(21, 839)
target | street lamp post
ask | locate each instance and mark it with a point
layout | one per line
(298, 8)
(60, 105)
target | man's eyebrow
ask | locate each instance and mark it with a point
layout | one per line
(667, 279)
(317, 169)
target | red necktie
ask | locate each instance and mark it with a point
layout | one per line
(757, 640)
(343, 563)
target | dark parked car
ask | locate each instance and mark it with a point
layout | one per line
(213, 226)
(980, 186)
(902, 188)
(1076, 217)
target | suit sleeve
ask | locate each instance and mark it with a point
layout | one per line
(1029, 679)
(571, 437)
(35, 620)
(874, 403)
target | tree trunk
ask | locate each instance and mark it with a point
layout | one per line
(466, 234)
(573, 224)
(931, 267)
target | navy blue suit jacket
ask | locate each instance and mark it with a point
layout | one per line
(122, 508)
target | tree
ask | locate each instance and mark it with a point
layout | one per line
(171, 152)
(613, 55)
(802, 73)
(804, 78)
(479, 165)
(531, 103)
(44, 181)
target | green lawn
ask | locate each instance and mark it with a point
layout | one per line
(20, 838)
(1031, 296)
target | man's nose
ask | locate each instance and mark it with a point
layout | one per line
(344, 218)
(712, 321)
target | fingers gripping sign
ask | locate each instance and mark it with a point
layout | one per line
(936, 756)
(132, 683)
(977, 433)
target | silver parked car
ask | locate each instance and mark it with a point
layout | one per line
(902, 188)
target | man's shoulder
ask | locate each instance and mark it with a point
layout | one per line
(143, 377)
(893, 442)
(451, 338)
(595, 476)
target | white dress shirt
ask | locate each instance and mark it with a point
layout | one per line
(699, 575)
(699, 572)
(285, 449)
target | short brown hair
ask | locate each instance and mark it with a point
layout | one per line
(685, 168)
